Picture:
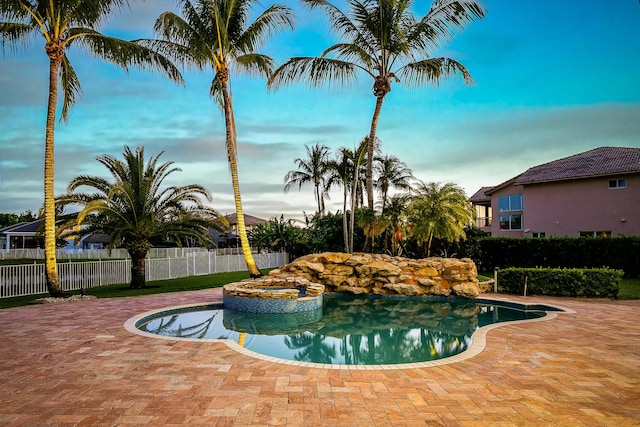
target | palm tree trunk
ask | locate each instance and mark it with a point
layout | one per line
(232, 155)
(345, 229)
(50, 262)
(138, 280)
(370, 147)
(353, 210)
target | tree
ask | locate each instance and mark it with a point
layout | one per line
(217, 34)
(136, 212)
(395, 215)
(383, 39)
(62, 24)
(391, 173)
(313, 169)
(340, 172)
(439, 211)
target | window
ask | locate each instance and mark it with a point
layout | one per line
(595, 234)
(510, 222)
(510, 203)
(615, 184)
(538, 235)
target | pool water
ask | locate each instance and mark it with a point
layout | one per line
(349, 330)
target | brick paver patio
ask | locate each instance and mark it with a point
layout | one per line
(74, 364)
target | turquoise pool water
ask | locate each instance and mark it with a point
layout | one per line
(348, 330)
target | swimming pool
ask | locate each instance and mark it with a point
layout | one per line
(348, 330)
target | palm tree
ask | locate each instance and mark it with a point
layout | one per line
(62, 24)
(340, 172)
(391, 172)
(383, 39)
(395, 214)
(217, 34)
(441, 211)
(135, 212)
(313, 169)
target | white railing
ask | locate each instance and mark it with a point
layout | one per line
(29, 279)
(67, 254)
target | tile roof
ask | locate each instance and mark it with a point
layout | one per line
(248, 220)
(481, 195)
(597, 162)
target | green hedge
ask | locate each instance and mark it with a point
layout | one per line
(568, 282)
(620, 253)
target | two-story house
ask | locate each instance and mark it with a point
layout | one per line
(595, 193)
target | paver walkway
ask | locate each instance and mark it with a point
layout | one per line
(74, 364)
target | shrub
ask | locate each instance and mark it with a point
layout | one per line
(574, 282)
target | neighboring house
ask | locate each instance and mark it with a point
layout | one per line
(590, 194)
(25, 235)
(230, 239)
(29, 235)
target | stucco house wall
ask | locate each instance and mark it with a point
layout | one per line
(566, 208)
(594, 193)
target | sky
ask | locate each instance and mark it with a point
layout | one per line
(553, 79)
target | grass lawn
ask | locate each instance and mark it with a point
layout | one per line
(153, 287)
(629, 289)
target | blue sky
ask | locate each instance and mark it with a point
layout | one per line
(554, 78)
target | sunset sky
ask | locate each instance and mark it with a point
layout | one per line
(554, 78)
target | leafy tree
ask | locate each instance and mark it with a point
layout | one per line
(314, 170)
(135, 211)
(62, 24)
(383, 39)
(325, 233)
(218, 34)
(7, 219)
(279, 234)
(439, 211)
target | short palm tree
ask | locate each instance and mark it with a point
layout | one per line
(391, 173)
(62, 24)
(439, 211)
(135, 211)
(217, 34)
(383, 39)
(312, 169)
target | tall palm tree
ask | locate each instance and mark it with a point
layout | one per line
(383, 39)
(312, 169)
(391, 173)
(439, 211)
(340, 172)
(218, 34)
(136, 212)
(62, 24)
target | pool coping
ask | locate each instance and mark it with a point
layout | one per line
(478, 343)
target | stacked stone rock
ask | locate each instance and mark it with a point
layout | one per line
(384, 275)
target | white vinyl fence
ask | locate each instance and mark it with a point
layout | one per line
(71, 254)
(29, 279)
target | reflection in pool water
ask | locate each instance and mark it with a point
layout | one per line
(351, 330)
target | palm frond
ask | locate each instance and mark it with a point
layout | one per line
(255, 64)
(316, 72)
(444, 19)
(70, 87)
(16, 34)
(432, 71)
(269, 23)
(124, 53)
